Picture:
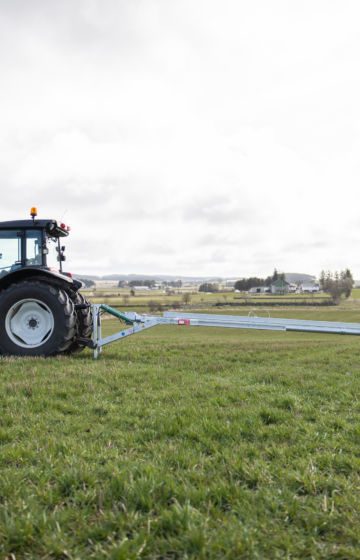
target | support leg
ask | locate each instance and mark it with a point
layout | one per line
(96, 318)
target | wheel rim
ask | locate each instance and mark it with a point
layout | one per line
(29, 323)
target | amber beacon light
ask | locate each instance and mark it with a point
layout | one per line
(33, 212)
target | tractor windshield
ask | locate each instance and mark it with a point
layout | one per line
(10, 251)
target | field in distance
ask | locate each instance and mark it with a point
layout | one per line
(186, 443)
(150, 300)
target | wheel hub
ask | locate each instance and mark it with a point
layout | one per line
(33, 324)
(29, 323)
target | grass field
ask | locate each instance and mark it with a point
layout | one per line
(185, 443)
(121, 297)
(356, 293)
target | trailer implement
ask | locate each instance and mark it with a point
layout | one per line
(139, 323)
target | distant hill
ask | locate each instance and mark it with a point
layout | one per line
(87, 276)
(291, 277)
(294, 277)
(156, 277)
(161, 277)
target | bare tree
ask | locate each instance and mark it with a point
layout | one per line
(337, 284)
(186, 298)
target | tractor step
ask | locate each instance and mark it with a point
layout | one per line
(86, 342)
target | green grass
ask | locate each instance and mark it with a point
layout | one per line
(185, 443)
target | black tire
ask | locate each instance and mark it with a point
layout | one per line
(84, 323)
(36, 305)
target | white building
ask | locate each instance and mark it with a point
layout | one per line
(309, 288)
(292, 288)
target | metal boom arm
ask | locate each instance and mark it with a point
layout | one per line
(141, 322)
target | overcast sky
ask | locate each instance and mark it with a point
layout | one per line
(193, 137)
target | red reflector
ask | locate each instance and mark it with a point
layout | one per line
(63, 226)
(184, 322)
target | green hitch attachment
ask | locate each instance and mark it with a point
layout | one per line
(117, 314)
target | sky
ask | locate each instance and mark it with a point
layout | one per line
(185, 137)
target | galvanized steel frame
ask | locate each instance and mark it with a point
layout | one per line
(139, 323)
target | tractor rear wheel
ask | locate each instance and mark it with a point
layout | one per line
(36, 319)
(84, 322)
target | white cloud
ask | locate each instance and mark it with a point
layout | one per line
(158, 125)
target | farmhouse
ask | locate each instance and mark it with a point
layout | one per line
(280, 287)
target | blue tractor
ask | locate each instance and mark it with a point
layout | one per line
(42, 312)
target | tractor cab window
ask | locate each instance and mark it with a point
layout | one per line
(33, 247)
(10, 251)
(52, 254)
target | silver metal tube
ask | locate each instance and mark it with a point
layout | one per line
(142, 322)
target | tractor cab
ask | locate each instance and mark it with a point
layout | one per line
(32, 244)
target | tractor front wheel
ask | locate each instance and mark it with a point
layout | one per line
(36, 319)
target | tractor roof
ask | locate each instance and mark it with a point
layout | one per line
(51, 226)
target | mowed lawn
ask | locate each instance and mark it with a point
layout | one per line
(185, 443)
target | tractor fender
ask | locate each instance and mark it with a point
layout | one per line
(43, 274)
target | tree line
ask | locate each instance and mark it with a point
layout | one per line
(245, 284)
(337, 284)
